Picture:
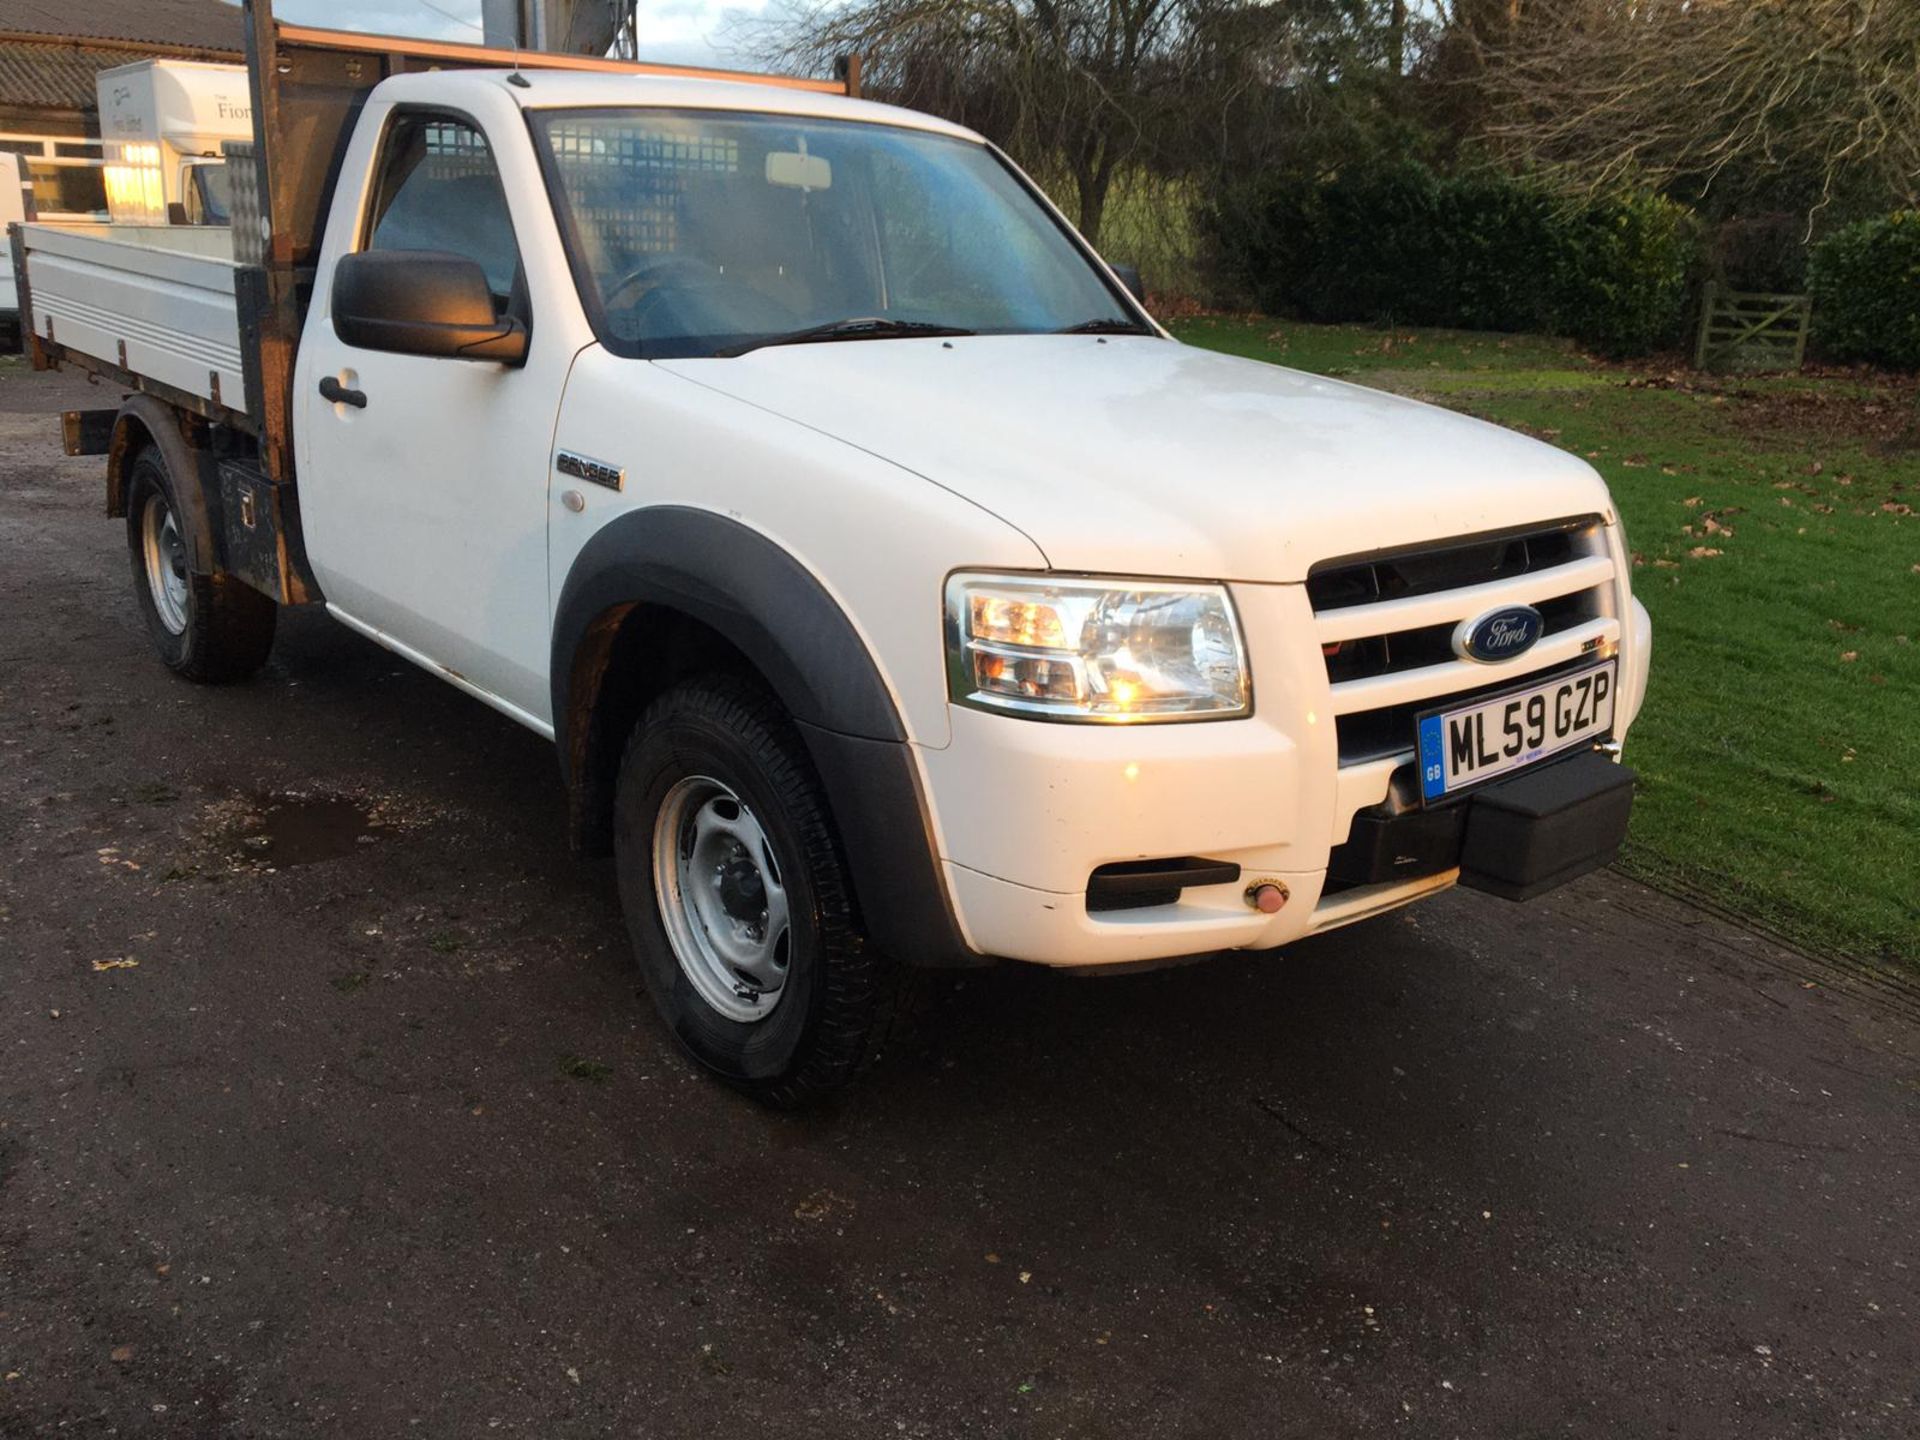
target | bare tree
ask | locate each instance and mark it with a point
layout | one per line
(1818, 99)
(1094, 88)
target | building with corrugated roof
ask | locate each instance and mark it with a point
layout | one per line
(50, 52)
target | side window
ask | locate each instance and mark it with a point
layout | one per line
(438, 189)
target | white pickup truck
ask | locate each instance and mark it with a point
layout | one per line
(895, 590)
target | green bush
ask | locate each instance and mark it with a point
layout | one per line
(1398, 243)
(1865, 283)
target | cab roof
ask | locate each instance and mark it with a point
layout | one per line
(597, 90)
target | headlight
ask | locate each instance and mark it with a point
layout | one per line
(1112, 651)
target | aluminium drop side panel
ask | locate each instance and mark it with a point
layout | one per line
(144, 300)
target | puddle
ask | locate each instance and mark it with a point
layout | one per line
(284, 830)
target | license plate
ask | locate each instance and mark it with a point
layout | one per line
(1462, 746)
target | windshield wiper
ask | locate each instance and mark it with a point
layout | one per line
(866, 327)
(1104, 327)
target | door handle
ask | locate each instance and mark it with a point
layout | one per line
(332, 389)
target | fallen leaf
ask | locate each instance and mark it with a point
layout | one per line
(1692, 502)
(1703, 552)
(125, 962)
(1896, 507)
(1847, 657)
(122, 1353)
(821, 1204)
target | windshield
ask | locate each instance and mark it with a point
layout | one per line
(702, 232)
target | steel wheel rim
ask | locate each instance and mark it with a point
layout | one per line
(165, 554)
(722, 899)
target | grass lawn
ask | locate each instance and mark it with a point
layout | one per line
(1777, 546)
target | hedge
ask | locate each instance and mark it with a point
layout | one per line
(1865, 283)
(1399, 243)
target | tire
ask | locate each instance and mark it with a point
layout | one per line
(209, 628)
(712, 768)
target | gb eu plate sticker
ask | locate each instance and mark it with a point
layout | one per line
(1433, 769)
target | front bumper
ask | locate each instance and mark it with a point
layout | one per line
(1024, 812)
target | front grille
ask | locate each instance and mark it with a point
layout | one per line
(1433, 644)
(1453, 566)
(1386, 623)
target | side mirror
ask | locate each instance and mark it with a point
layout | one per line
(1129, 276)
(422, 302)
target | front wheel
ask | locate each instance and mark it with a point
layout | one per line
(737, 900)
(206, 627)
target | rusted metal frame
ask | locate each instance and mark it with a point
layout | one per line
(88, 432)
(58, 356)
(275, 324)
(439, 54)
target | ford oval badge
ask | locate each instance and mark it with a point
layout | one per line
(1498, 634)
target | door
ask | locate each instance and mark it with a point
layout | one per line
(425, 507)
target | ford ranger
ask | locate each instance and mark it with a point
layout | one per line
(895, 590)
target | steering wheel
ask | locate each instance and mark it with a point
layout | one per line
(661, 270)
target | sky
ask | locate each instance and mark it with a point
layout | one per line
(682, 32)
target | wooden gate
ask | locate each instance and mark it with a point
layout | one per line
(1745, 331)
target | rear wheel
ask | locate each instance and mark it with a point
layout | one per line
(206, 627)
(737, 900)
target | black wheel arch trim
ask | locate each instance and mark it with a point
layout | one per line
(769, 607)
